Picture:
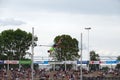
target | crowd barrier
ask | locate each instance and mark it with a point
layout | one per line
(58, 62)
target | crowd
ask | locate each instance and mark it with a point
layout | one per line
(40, 74)
(15, 74)
(43, 74)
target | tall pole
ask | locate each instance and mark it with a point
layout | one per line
(8, 72)
(81, 59)
(88, 47)
(65, 63)
(19, 59)
(32, 53)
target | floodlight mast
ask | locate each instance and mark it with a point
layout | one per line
(88, 29)
(32, 50)
(81, 78)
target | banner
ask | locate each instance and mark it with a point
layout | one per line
(41, 62)
(25, 62)
(111, 62)
(1, 62)
(55, 62)
(70, 62)
(83, 62)
(11, 62)
(94, 62)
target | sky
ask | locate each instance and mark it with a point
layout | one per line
(51, 18)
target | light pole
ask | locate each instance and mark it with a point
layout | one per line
(81, 59)
(88, 29)
(32, 53)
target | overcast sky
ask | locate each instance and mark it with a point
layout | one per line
(51, 18)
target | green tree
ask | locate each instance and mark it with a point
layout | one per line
(14, 44)
(94, 57)
(66, 48)
(118, 65)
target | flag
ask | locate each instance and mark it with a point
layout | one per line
(51, 50)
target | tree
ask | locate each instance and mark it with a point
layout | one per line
(94, 57)
(118, 65)
(66, 48)
(14, 44)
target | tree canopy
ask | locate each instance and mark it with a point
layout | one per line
(14, 44)
(94, 57)
(66, 48)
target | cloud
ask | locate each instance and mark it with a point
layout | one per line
(101, 7)
(11, 22)
(73, 6)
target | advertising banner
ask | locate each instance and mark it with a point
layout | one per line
(111, 62)
(83, 62)
(41, 62)
(25, 62)
(1, 62)
(11, 62)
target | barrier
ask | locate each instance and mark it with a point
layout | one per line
(58, 62)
